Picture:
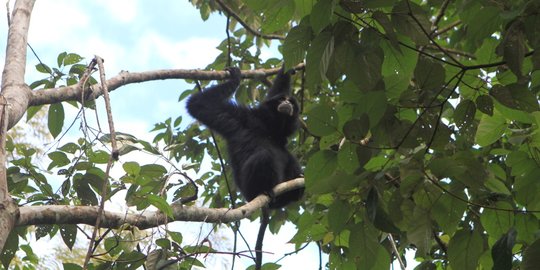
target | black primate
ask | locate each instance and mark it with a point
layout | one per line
(256, 140)
(256, 137)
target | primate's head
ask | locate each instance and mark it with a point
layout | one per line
(287, 106)
(284, 105)
(279, 96)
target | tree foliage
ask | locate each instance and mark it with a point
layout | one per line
(422, 133)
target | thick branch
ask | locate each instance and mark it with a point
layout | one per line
(16, 92)
(65, 214)
(9, 212)
(15, 96)
(70, 93)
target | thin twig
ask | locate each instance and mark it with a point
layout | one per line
(254, 32)
(447, 28)
(112, 158)
(394, 248)
(428, 35)
(452, 51)
(8, 13)
(108, 109)
(439, 16)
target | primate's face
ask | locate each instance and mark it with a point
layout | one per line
(286, 106)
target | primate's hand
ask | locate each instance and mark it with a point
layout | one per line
(235, 73)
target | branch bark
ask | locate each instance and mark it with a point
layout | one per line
(16, 92)
(73, 93)
(14, 97)
(66, 214)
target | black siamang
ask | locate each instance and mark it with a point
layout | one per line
(256, 137)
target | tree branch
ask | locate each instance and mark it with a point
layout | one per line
(73, 92)
(16, 92)
(67, 214)
(14, 97)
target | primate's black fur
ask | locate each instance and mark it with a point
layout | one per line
(256, 137)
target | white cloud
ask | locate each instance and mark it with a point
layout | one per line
(194, 52)
(112, 53)
(124, 11)
(51, 24)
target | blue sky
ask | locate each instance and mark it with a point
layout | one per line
(139, 36)
(132, 36)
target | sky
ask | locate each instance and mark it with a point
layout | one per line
(138, 35)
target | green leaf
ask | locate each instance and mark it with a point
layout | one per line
(448, 211)
(161, 204)
(10, 248)
(112, 245)
(485, 104)
(295, 45)
(364, 246)
(69, 234)
(318, 57)
(60, 58)
(99, 157)
(71, 148)
(464, 113)
(356, 129)
(405, 24)
(385, 22)
(515, 96)
(339, 214)
(465, 249)
(365, 69)
(56, 119)
(175, 236)
(397, 70)
(429, 75)
(374, 105)
(514, 47)
(319, 167)
(59, 159)
(490, 129)
(153, 170)
(376, 163)
(419, 230)
(526, 226)
(322, 120)
(278, 14)
(497, 222)
(31, 111)
(526, 185)
(164, 243)
(84, 193)
(43, 68)
(270, 266)
(480, 22)
(348, 158)
(71, 266)
(377, 3)
(257, 5)
(132, 168)
(72, 58)
(321, 15)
